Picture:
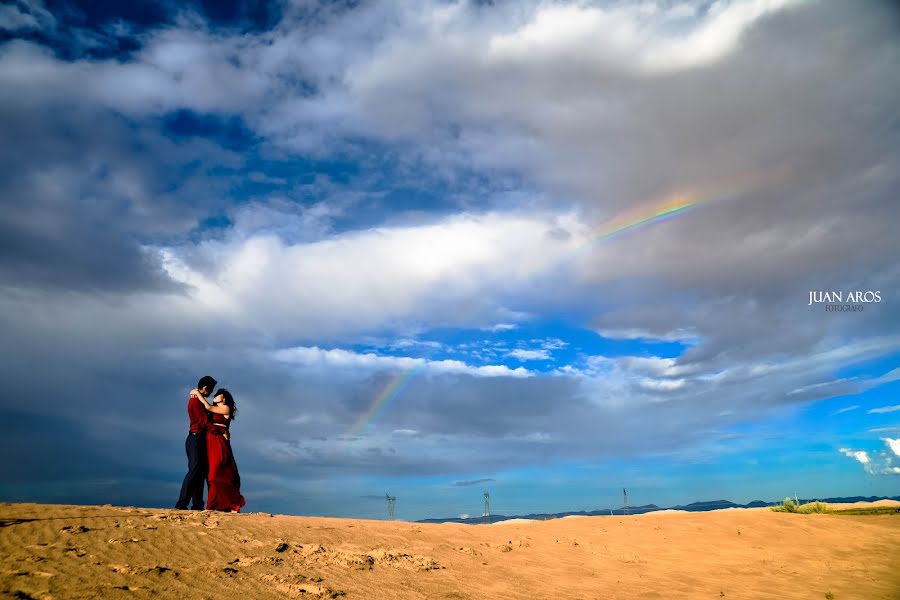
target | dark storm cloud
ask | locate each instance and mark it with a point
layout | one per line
(82, 460)
(472, 482)
(85, 188)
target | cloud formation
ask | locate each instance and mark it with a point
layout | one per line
(880, 464)
(312, 209)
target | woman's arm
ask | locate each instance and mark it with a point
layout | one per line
(221, 409)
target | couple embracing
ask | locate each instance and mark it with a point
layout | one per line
(208, 448)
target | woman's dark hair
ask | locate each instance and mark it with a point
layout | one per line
(228, 400)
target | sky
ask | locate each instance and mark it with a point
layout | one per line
(544, 249)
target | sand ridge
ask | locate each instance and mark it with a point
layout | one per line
(55, 551)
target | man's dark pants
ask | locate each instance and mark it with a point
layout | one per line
(192, 487)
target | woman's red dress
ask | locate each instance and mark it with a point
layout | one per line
(224, 479)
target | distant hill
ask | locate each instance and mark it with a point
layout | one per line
(635, 510)
(712, 505)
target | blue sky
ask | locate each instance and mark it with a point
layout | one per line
(382, 226)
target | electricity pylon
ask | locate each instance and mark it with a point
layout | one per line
(391, 502)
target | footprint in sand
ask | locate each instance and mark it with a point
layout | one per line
(304, 588)
(33, 574)
(365, 561)
(246, 561)
(136, 570)
(74, 529)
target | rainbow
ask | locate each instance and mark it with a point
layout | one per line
(671, 206)
(391, 390)
(641, 216)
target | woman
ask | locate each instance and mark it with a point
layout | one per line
(224, 479)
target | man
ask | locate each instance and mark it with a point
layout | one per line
(195, 446)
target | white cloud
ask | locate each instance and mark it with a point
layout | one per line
(892, 375)
(632, 37)
(824, 385)
(884, 409)
(861, 455)
(663, 385)
(893, 444)
(534, 437)
(882, 462)
(319, 358)
(529, 354)
(551, 343)
(450, 272)
(406, 343)
(405, 432)
(677, 335)
(843, 410)
(290, 221)
(683, 10)
(652, 365)
(501, 327)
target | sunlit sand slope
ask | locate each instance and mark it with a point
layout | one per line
(52, 551)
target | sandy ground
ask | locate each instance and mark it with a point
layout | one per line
(52, 551)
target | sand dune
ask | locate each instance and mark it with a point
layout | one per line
(52, 551)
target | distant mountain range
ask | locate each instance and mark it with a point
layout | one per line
(635, 510)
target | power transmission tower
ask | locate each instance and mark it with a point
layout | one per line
(391, 502)
(487, 507)
(625, 493)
